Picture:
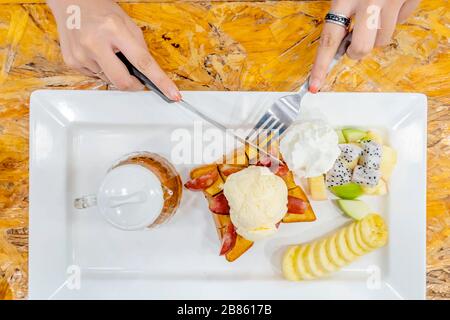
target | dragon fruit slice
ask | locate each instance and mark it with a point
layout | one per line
(371, 154)
(350, 154)
(339, 175)
(366, 176)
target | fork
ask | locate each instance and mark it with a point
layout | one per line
(277, 118)
(284, 111)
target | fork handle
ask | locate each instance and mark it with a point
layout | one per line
(342, 49)
(141, 77)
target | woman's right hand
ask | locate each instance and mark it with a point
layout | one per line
(104, 30)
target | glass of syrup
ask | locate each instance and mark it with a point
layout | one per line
(141, 190)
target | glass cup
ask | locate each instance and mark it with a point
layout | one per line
(141, 190)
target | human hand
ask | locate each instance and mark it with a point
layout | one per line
(374, 24)
(104, 30)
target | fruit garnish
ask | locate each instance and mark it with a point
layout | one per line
(219, 204)
(341, 138)
(388, 162)
(355, 209)
(296, 205)
(228, 170)
(350, 236)
(281, 169)
(203, 182)
(326, 255)
(310, 259)
(371, 154)
(303, 271)
(339, 175)
(228, 239)
(374, 137)
(317, 188)
(289, 265)
(366, 176)
(350, 154)
(323, 260)
(373, 230)
(348, 191)
(353, 135)
(379, 190)
(264, 161)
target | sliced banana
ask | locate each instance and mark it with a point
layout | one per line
(350, 236)
(289, 265)
(322, 258)
(359, 239)
(310, 260)
(342, 247)
(302, 265)
(374, 231)
(333, 253)
(319, 258)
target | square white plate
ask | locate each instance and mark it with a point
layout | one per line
(76, 135)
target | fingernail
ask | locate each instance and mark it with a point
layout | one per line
(175, 94)
(314, 86)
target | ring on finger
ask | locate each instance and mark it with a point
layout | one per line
(337, 18)
(99, 74)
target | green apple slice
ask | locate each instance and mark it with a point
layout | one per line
(341, 138)
(348, 191)
(355, 209)
(353, 135)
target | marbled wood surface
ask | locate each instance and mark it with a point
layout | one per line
(225, 46)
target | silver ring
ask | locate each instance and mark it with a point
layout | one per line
(99, 74)
(338, 19)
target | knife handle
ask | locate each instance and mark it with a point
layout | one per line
(141, 77)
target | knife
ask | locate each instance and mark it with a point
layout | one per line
(187, 106)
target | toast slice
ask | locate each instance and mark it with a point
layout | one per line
(234, 245)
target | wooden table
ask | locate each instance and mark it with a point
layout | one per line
(225, 46)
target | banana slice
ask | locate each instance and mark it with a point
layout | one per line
(322, 257)
(310, 260)
(342, 247)
(289, 265)
(374, 231)
(359, 238)
(350, 236)
(332, 252)
(301, 264)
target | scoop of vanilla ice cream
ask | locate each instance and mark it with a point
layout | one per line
(258, 201)
(310, 148)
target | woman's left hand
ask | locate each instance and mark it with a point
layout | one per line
(374, 24)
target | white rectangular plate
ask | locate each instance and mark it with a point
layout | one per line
(76, 135)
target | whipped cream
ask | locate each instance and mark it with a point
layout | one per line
(310, 148)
